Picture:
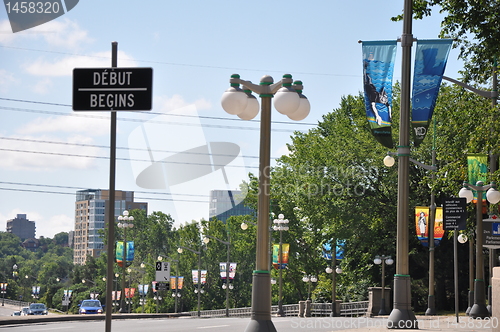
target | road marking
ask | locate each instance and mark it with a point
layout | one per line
(212, 327)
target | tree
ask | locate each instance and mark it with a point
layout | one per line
(473, 25)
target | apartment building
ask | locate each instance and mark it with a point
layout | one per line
(91, 215)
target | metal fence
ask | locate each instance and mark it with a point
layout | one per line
(349, 309)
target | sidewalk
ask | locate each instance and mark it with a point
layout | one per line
(432, 324)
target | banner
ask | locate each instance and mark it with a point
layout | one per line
(180, 282)
(119, 252)
(194, 273)
(378, 68)
(422, 225)
(280, 262)
(477, 165)
(232, 270)
(129, 293)
(339, 249)
(430, 62)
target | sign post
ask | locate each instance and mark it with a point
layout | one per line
(163, 272)
(491, 233)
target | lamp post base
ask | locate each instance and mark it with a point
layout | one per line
(470, 302)
(261, 303)
(479, 309)
(431, 310)
(280, 313)
(402, 317)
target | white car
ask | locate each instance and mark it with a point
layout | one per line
(24, 311)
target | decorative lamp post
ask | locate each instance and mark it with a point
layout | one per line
(309, 280)
(176, 294)
(198, 290)
(125, 221)
(479, 309)
(225, 286)
(3, 287)
(280, 224)
(334, 270)
(288, 101)
(383, 260)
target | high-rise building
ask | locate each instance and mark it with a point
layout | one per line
(227, 203)
(90, 219)
(21, 227)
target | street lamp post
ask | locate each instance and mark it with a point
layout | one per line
(125, 221)
(280, 224)
(177, 295)
(180, 250)
(383, 260)
(227, 243)
(309, 279)
(334, 270)
(289, 102)
(479, 309)
(3, 287)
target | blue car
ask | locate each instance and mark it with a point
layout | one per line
(90, 307)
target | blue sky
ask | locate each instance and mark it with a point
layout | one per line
(48, 151)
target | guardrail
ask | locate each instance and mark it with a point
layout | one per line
(16, 303)
(350, 309)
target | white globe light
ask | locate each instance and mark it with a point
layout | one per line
(389, 161)
(389, 261)
(377, 261)
(303, 111)
(493, 196)
(305, 279)
(462, 238)
(251, 110)
(466, 193)
(234, 101)
(338, 270)
(244, 226)
(328, 270)
(314, 279)
(286, 100)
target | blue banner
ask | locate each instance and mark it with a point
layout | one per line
(378, 69)
(430, 63)
(339, 250)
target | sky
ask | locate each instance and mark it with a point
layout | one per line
(48, 151)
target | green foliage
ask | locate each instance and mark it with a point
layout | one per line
(473, 25)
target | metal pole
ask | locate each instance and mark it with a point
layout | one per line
(199, 283)
(111, 205)
(261, 289)
(280, 266)
(227, 280)
(455, 269)
(470, 298)
(334, 283)
(479, 309)
(431, 309)
(382, 298)
(122, 302)
(402, 316)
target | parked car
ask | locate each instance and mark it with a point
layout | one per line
(89, 307)
(37, 309)
(24, 311)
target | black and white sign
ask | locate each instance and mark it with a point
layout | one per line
(112, 89)
(454, 213)
(163, 271)
(491, 233)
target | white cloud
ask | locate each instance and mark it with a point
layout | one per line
(167, 104)
(24, 154)
(91, 125)
(61, 33)
(283, 151)
(44, 227)
(65, 66)
(6, 80)
(43, 87)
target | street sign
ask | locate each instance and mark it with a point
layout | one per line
(112, 89)
(163, 271)
(491, 233)
(454, 213)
